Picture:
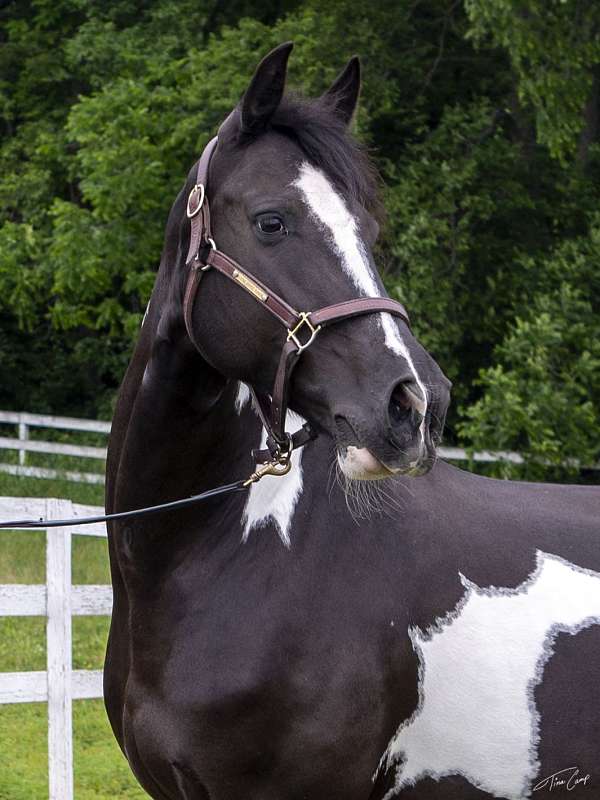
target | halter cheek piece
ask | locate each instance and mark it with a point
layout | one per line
(301, 327)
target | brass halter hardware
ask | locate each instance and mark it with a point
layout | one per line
(270, 468)
(281, 464)
(249, 285)
(292, 333)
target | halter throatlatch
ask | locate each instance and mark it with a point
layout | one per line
(301, 327)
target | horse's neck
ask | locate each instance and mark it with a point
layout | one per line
(175, 424)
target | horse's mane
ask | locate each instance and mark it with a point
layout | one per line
(325, 139)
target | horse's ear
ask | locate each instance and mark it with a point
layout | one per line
(343, 92)
(264, 94)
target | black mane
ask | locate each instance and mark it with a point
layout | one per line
(328, 144)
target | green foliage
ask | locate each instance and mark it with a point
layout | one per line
(20, 282)
(543, 395)
(448, 189)
(554, 46)
(483, 119)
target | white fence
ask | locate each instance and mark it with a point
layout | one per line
(57, 600)
(24, 444)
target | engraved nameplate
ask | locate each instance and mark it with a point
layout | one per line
(249, 285)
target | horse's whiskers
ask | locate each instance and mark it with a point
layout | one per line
(365, 499)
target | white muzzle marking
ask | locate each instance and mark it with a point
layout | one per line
(360, 464)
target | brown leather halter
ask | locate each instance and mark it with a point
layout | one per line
(301, 326)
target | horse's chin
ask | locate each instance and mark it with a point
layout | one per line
(359, 464)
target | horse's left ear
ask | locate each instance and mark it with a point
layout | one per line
(343, 92)
(265, 91)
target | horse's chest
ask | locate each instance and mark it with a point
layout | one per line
(263, 729)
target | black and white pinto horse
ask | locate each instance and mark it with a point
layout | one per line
(265, 646)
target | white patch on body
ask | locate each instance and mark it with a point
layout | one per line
(275, 497)
(332, 215)
(242, 397)
(478, 669)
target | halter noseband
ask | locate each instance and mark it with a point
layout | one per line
(301, 326)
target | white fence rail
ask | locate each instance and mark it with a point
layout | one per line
(24, 445)
(25, 421)
(57, 600)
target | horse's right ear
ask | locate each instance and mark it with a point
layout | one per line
(343, 92)
(263, 95)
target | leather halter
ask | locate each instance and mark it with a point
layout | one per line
(301, 326)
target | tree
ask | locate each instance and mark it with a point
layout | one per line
(482, 118)
(554, 49)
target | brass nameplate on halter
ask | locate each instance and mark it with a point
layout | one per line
(249, 285)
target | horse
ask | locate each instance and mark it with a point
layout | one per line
(364, 621)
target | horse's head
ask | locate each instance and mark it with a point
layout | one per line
(292, 199)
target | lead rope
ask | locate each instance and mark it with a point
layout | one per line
(278, 466)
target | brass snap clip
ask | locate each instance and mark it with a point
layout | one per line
(280, 465)
(270, 468)
(312, 331)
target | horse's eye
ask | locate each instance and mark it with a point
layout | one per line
(271, 225)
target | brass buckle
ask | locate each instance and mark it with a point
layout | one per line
(193, 196)
(293, 332)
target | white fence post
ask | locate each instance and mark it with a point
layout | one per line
(57, 599)
(23, 437)
(59, 654)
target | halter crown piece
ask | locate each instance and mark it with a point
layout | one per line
(301, 327)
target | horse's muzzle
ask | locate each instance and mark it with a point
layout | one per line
(400, 441)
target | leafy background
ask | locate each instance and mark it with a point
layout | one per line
(483, 117)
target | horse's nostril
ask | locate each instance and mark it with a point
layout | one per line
(400, 407)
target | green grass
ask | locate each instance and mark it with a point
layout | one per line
(101, 772)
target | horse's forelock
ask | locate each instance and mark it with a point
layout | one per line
(325, 140)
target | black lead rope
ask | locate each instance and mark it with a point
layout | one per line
(238, 486)
(277, 466)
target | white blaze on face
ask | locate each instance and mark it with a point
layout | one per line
(333, 217)
(478, 670)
